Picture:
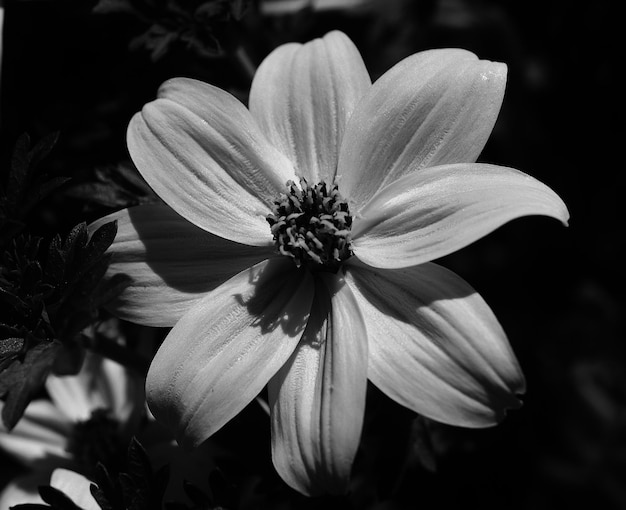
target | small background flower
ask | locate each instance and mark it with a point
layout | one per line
(89, 418)
(557, 292)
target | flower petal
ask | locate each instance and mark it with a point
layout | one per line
(438, 210)
(204, 155)
(435, 346)
(101, 384)
(172, 263)
(123, 391)
(433, 108)
(41, 433)
(76, 487)
(223, 351)
(318, 398)
(303, 95)
(24, 489)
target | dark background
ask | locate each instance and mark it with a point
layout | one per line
(559, 293)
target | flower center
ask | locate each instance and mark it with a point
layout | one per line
(311, 224)
(97, 440)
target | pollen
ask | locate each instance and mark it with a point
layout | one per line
(311, 225)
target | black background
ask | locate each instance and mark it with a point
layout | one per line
(558, 292)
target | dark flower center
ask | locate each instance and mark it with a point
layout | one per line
(97, 440)
(311, 224)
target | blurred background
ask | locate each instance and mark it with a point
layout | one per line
(83, 68)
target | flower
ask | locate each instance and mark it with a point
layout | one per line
(295, 243)
(89, 418)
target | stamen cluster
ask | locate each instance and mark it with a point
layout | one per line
(311, 224)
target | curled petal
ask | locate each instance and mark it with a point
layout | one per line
(222, 352)
(438, 210)
(318, 398)
(303, 95)
(435, 346)
(201, 151)
(432, 108)
(171, 262)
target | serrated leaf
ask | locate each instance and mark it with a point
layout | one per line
(23, 164)
(74, 243)
(130, 494)
(110, 289)
(21, 380)
(55, 263)
(11, 346)
(101, 239)
(43, 147)
(139, 467)
(31, 277)
(20, 167)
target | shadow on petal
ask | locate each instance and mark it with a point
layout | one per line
(273, 282)
(186, 257)
(435, 345)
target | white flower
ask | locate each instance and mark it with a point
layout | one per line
(49, 434)
(363, 299)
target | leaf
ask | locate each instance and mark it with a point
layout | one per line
(74, 244)
(197, 497)
(105, 491)
(20, 167)
(22, 380)
(101, 240)
(23, 164)
(57, 499)
(40, 191)
(114, 187)
(43, 148)
(138, 488)
(55, 263)
(113, 6)
(10, 346)
(111, 288)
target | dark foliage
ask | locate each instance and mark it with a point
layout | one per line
(558, 292)
(199, 26)
(48, 297)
